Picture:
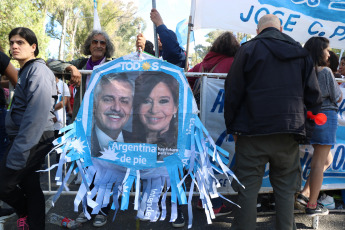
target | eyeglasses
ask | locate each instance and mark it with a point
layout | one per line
(95, 42)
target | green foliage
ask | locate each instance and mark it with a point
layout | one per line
(116, 17)
(337, 52)
(23, 13)
(200, 51)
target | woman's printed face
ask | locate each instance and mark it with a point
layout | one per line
(158, 109)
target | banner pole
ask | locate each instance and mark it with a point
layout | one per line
(188, 38)
(341, 55)
(155, 32)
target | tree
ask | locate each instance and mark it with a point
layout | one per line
(116, 17)
(23, 13)
(200, 52)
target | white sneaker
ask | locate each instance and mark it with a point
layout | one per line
(327, 201)
(99, 220)
(81, 218)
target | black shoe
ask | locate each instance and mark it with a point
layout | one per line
(301, 202)
(222, 211)
(6, 211)
(271, 203)
(259, 203)
(320, 210)
(179, 222)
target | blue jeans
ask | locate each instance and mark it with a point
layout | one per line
(3, 135)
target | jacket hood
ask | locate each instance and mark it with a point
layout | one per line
(212, 58)
(273, 40)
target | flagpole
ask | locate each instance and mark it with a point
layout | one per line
(188, 38)
(155, 32)
(341, 54)
(190, 25)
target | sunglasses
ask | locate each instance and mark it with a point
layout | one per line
(95, 42)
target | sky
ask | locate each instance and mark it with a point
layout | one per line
(171, 11)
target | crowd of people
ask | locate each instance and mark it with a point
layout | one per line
(272, 82)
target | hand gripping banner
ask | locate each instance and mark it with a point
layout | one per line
(138, 127)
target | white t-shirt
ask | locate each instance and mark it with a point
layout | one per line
(62, 91)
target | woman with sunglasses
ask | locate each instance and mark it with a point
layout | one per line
(99, 47)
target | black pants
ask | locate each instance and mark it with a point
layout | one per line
(252, 155)
(21, 189)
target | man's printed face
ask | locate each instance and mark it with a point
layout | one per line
(113, 107)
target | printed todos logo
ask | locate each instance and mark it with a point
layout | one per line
(153, 66)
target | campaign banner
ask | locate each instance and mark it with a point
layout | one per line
(214, 108)
(137, 128)
(301, 19)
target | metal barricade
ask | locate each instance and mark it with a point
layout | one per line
(203, 78)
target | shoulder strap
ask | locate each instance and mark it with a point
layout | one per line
(210, 71)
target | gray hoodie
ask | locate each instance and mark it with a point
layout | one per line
(31, 111)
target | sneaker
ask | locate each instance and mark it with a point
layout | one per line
(179, 222)
(22, 223)
(301, 202)
(327, 201)
(81, 218)
(222, 211)
(100, 220)
(6, 211)
(320, 210)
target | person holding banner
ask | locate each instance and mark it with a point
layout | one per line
(100, 47)
(169, 47)
(324, 136)
(29, 124)
(270, 87)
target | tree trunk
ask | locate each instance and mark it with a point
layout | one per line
(63, 35)
(72, 47)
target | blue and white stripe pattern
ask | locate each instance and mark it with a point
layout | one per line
(195, 148)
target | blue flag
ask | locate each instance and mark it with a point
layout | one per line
(243, 40)
(182, 32)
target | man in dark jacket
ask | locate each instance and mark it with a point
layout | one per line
(268, 90)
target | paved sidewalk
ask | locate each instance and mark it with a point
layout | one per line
(126, 220)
